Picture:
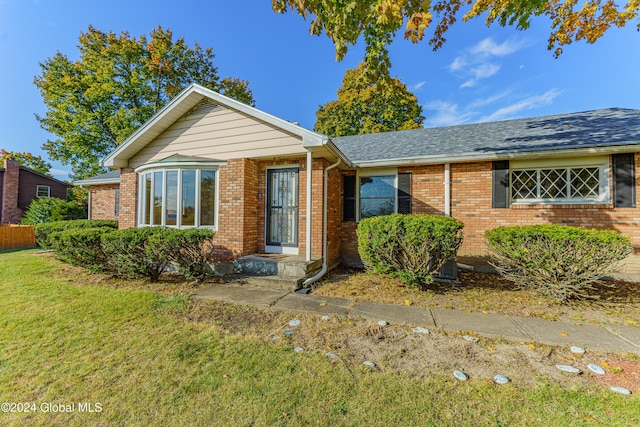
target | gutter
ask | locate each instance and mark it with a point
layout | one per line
(325, 255)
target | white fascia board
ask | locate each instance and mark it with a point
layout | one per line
(331, 146)
(97, 181)
(476, 157)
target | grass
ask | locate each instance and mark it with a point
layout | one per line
(63, 340)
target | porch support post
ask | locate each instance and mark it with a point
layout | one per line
(447, 189)
(308, 209)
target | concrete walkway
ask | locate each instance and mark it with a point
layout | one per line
(604, 337)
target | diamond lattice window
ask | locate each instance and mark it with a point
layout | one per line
(585, 182)
(558, 184)
(524, 184)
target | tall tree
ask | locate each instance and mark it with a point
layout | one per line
(118, 83)
(377, 21)
(364, 107)
(28, 160)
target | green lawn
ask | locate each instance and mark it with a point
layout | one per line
(63, 342)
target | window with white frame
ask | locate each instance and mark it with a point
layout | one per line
(178, 197)
(43, 191)
(568, 181)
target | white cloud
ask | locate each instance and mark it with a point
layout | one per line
(482, 71)
(458, 63)
(488, 47)
(416, 87)
(482, 102)
(532, 102)
(479, 61)
(447, 114)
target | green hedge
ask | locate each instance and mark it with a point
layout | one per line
(191, 250)
(411, 247)
(560, 262)
(44, 231)
(82, 246)
(51, 209)
(146, 252)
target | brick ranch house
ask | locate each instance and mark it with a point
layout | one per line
(20, 185)
(266, 185)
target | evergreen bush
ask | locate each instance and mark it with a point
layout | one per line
(412, 247)
(558, 261)
(44, 232)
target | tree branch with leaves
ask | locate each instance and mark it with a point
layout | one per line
(378, 21)
(94, 103)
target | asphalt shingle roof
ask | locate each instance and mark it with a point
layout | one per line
(111, 176)
(589, 129)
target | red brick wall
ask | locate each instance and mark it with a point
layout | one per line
(237, 209)
(128, 198)
(334, 215)
(471, 188)
(11, 213)
(103, 201)
(471, 204)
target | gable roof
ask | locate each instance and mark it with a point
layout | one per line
(183, 103)
(111, 177)
(50, 178)
(607, 130)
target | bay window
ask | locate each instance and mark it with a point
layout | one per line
(178, 197)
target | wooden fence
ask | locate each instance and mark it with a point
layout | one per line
(17, 236)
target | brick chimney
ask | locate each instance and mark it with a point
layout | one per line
(11, 213)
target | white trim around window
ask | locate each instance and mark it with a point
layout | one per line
(376, 173)
(183, 213)
(582, 180)
(43, 191)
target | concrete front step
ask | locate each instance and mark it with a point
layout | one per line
(276, 265)
(285, 283)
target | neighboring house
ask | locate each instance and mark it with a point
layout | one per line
(20, 185)
(209, 161)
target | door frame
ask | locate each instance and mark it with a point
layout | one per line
(270, 247)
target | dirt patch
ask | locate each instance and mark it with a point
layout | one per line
(618, 302)
(397, 348)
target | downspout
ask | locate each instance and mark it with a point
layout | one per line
(447, 189)
(325, 254)
(309, 209)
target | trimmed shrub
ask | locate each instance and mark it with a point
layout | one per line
(82, 246)
(411, 247)
(558, 261)
(44, 232)
(140, 252)
(195, 251)
(51, 209)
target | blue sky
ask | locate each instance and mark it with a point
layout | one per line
(481, 74)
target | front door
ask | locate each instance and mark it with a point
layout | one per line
(282, 210)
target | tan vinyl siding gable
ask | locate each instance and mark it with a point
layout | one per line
(216, 132)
